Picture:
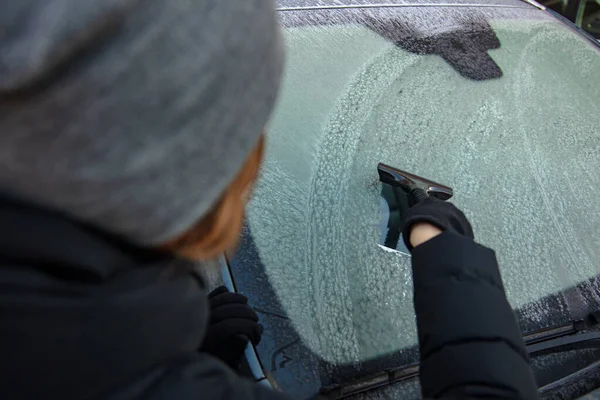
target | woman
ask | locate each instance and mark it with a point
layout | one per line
(130, 137)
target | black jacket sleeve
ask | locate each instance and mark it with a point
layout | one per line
(470, 343)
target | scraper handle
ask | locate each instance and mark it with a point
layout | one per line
(417, 195)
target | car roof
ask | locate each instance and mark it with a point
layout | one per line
(293, 4)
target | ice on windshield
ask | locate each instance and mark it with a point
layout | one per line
(522, 153)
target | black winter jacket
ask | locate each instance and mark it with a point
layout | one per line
(470, 343)
(83, 315)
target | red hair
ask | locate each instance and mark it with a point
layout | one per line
(219, 230)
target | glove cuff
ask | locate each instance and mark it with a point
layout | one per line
(408, 224)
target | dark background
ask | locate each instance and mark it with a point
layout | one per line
(584, 13)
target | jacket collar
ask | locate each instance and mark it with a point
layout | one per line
(82, 312)
(62, 246)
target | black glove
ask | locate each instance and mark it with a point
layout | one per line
(440, 213)
(233, 324)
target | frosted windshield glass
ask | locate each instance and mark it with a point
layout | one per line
(522, 153)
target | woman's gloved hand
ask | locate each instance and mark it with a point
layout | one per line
(233, 324)
(438, 213)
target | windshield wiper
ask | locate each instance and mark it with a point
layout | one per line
(577, 334)
(370, 382)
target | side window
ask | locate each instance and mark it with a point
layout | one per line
(584, 13)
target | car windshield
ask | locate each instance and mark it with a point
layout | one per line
(511, 124)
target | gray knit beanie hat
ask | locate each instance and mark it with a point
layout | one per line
(133, 115)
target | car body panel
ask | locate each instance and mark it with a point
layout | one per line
(309, 340)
